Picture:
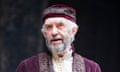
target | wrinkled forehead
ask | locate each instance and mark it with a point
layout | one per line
(55, 20)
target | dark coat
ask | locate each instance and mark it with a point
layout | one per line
(32, 65)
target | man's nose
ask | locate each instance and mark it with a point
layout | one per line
(54, 31)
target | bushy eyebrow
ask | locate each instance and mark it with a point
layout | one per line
(46, 23)
(61, 23)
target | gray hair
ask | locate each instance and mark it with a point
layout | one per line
(70, 24)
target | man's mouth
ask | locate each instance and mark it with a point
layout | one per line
(56, 41)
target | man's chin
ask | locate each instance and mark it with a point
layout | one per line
(56, 45)
(57, 48)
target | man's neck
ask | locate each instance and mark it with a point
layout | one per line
(63, 55)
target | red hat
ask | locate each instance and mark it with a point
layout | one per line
(60, 10)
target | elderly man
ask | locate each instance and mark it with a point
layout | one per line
(59, 29)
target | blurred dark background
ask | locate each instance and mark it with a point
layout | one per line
(20, 36)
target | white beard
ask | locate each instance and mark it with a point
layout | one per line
(56, 49)
(60, 48)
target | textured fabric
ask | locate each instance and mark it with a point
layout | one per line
(60, 10)
(63, 63)
(32, 65)
(78, 63)
(46, 63)
(29, 65)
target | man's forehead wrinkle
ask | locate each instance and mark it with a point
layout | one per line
(55, 20)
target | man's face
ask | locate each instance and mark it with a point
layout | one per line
(57, 33)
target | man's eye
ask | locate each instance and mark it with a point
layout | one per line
(60, 25)
(48, 26)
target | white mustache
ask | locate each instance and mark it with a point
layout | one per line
(57, 37)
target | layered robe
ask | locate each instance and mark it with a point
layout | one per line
(42, 63)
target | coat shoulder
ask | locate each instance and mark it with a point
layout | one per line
(91, 66)
(28, 64)
(90, 62)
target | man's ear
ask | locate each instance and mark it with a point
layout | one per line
(43, 32)
(74, 30)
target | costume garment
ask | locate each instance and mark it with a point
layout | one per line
(42, 63)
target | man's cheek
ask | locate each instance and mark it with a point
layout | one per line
(47, 37)
(62, 33)
(46, 34)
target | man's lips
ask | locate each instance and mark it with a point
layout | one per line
(57, 40)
